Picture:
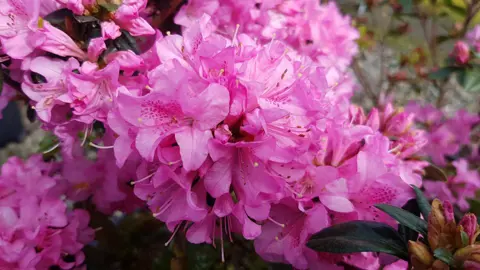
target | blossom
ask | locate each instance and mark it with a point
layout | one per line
(19, 20)
(303, 25)
(38, 231)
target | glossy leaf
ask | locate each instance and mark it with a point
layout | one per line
(405, 218)
(444, 256)
(470, 79)
(423, 203)
(432, 172)
(359, 236)
(407, 233)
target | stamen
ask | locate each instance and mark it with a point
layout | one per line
(229, 221)
(235, 33)
(85, 135)
(51, 148)
(143, 179)
(276, 222)
(163, 208)
(255, 164)
(213, 234)
(221, 240)
(271, 42)
(99, 146)
(173, 235)
(98, 229)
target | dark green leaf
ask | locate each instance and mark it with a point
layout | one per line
(407, 233)
(442, 73)
(359, 236)
(432, 172)
(405, 218)
(444, 256)
(470, 80)
(465, 238)
(423, 202)
(47, 143)
(110, 7)
(407, 5)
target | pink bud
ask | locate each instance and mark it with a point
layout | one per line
(469, 224)
(448, 211)
(461, 52)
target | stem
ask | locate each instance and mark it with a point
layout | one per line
(363, 80)
(179, 261)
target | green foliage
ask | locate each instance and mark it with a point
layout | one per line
(405, 218)
(359, 236)
(423, 203)
(470, 79)
(445, 256)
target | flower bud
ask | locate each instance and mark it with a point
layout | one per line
(420, 253)
(461, 52)
(448, 211)
(436, 217)
(469, 224)
(439, 265)
(464, 253)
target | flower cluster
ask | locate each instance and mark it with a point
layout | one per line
(220, 135)
(305, 25)
(450, 139)
(37, 230)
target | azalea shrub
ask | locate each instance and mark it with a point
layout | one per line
(219, 134)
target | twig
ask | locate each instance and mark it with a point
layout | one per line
(363, 80)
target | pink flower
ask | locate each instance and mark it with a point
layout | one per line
(158, 115)
(38, 231)
(54, 40)
(473, 38)
(52, 91)
(284, 238)
(127, 17)
(461, 52)
(110, 30)
(93, 90)
(18, 20)
(304, 25)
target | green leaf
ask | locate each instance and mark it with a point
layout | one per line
(460, 11)
(465, 238)
(407, 233)
(442, 73)
(432, 172)
(359, 236)
(405, 218)
(110, 7)
(444, 256)
(407, 5)
(47, 143)
(423, 203)
(470, 80)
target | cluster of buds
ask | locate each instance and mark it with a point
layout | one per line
(448, 245)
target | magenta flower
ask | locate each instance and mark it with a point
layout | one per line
(19, 21)
(461, 52)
